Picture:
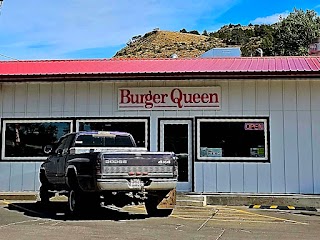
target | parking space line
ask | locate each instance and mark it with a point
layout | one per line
(225, 214)
(270, 217)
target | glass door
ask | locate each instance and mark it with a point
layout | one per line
(176, 136)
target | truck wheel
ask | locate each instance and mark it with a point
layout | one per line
(44, 194)
(151, 207)
(74, 202)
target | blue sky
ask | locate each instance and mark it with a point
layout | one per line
(82, 29)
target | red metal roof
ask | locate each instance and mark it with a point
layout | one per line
(290, 65)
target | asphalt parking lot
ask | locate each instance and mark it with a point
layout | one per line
(31, 220)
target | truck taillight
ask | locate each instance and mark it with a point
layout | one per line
(175, 166)
(98, 165)
(175, 171)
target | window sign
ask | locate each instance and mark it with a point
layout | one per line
(232, 139)
(26, 139)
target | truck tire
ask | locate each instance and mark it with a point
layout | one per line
(44, 194)
(80, 202)
(74, 202)
(151, 207)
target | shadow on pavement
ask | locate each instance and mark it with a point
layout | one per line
(59, 211)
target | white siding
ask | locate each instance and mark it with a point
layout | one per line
(292, 105)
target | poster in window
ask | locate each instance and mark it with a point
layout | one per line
(257, 152)
(203, 152)
(214, 152)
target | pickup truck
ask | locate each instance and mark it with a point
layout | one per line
(99, 167)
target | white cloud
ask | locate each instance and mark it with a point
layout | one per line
(270, 19)
(49, 29)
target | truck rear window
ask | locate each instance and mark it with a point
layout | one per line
(103, 141)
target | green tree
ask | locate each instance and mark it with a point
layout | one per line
(294, 33)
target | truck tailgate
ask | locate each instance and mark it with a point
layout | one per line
(142, 165)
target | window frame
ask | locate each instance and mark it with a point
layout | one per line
(144, 120)
(4, 123)
(262, 119)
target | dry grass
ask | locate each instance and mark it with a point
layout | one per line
(162, 44)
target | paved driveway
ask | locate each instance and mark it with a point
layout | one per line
(30, 220)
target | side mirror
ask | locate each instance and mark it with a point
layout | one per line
(48, 149)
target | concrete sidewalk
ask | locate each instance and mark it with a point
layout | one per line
(196, 199)
(241, 199)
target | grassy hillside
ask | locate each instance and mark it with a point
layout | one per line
(162, 44)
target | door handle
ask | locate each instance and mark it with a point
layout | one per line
(182, 154)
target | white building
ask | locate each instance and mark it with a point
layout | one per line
(240, 125)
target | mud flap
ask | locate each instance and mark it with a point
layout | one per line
(169, 201)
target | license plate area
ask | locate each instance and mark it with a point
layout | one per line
(136, 183)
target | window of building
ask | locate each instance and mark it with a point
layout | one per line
(138, 128)
(26, 139)
(232, 139)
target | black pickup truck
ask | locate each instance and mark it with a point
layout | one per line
(94, 168)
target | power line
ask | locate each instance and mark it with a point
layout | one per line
(2, 55)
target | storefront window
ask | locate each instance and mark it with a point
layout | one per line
(138, 128)
(234, 139)
(25, 139)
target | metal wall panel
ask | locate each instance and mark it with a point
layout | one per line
(250, 181)
(57, 99)
(235, 96)
(69, 99)
(316, 150)
(82, 99)
(16, 177)
(315, 96)
(44, 99)
(94, 99)
(209, 177)
(32, 107)
(7, 99)
(289, 95)
(262, 96)
(303, 95)
(248, 95)
(277, 153)
(28, 176)
(5, 170)
(237, 180)
(305, 152)
(264, 180)
(291, 159)
(108, 99)
(293, 107)
(20, 99)
(200, 177)
(276, 95)
(223, 177)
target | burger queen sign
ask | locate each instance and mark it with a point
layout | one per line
(169, 98)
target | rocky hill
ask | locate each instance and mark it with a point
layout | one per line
(163, 44)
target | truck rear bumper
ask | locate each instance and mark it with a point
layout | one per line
(124, 185)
